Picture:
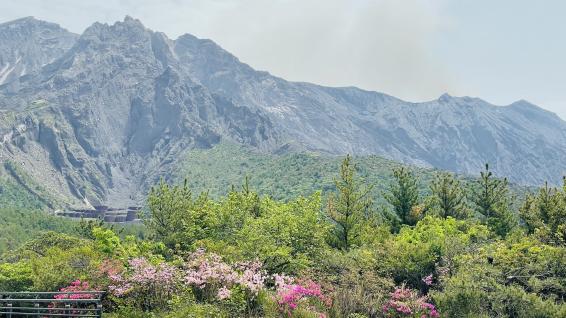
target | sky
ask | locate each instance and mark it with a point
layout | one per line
(498, 50)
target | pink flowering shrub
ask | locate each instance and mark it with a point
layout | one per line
(405, 302)
(76, 286)
(306, 294)
(212, 278)
(236, 287)
(224, 293)
(101, 277)
(74, 290)
(145, 285)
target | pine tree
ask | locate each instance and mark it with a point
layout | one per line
(168, 206)
(349, 207)
(493, 202)
(448, 196)
(252, 197)
(403, 195)
(545, 214)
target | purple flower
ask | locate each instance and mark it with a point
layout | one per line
(405, 302)
(427, 280)
(142, 276)
(224, 293)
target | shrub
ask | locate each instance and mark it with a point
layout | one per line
(58, 267)
(77, 286)
(415, 252)
(144, 285)
(521, 278)
(300, 296)
(15, 277)
(405, 302)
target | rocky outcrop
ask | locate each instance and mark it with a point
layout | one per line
(116, 113)
(27, 44)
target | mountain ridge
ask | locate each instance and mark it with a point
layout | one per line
(117, 109)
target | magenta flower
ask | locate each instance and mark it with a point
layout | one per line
(290, 294)
(76, 286)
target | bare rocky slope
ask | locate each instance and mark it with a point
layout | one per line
(28, 44)
(99, 117)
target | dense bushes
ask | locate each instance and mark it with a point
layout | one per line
(506, 279)
(418, 251)
(18, 226)
(449, 254)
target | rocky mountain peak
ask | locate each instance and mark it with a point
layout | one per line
(27, 22)
(28, 44)
(115, 111)
(526, 105)
(18, 22)
(444, 98)
(128, 32)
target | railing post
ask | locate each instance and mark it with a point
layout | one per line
(36, 305)
(9, 310)
(99, 307)
(68, 309)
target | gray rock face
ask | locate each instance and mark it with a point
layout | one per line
(99, 118)
(111, 115)
(28, 44)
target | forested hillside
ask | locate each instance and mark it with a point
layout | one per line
(281, 176)
(459, 249)
(215, 170)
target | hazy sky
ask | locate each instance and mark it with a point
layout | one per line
(499, 50)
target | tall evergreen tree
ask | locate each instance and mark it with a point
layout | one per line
(545, 214)
(448, 196)
(176, 217)
(403, 195)
(168, 206)
(251, 197)
(349, 207)
(493, 202)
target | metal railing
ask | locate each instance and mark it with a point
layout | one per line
(45, 304)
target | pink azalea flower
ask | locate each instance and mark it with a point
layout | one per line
(224, 293)
(428, 280)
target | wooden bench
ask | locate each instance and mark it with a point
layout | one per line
(51, 304)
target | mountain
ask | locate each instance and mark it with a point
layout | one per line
(98, 118)
(104, 120)
(461, 134)
(28, 44)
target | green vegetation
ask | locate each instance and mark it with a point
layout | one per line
(448, 197)
(19, 225)
(285, 176)
(349, 208)
(422, 245)
(22, 209)
(403, 195)
(12, 194)
(18, 189)
(493, 202)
